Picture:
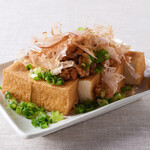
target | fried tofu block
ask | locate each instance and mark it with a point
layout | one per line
(119, 69)
(62, 98)
(53, 98)
(138, 63)
(86, 87)
(16, 80)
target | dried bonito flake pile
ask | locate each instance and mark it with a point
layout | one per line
(75, 54)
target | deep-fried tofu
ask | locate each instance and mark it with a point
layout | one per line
(53, 98)
(138, 63)
(86, 87)
(62, 98)
(16, 80)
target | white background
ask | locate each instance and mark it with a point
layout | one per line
(125, 128)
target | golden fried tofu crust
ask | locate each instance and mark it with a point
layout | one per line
(17, 81)
(53, 98)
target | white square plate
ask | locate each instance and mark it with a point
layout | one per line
(24, 128)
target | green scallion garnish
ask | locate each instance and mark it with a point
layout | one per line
(50, 80)
(102, 93)
(116, 97)
(60, 81)
(35, 123)
(103, 102)
(107, 56)
(44, 75)
(103, 52)
(85, 106)
(19, 110)
(126, 88)
(99, 69)
(29, 66)
(89, 109)
(8, 95)
(36, 78)
(31, 111)
(81, 29)
(81, 108)
(13, 104)
(100, 60)
(43, 125)
(0, 88)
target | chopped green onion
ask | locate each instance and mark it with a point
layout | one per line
(35, 122)
(103, 51)
(13, 104)
(87, 103)
(81, 108)
(116, 97)
(41, 109)
(126, 88)
(99, 69)
(116, 93)
(36, 78)
(102, 93)
(76, 110)
(56, 116)
(99, 60)
(8, 95)
(85, 106)
(0, 88)
(103, 102)
(89, 109)
(32, 111)
(23, 104)
(92, 60)
(51, 120)
(50, 80)
(39, 75)
(37, 70)
(122, 95)
(49, 74)
(44, 75)
(31, 105)
(107, 56)
(19, 110)
(28, 113)
(29, 66)
(101, 55)
(60, 81)
(83, 65)
(81, 29)
(43, 117)
(43, 125)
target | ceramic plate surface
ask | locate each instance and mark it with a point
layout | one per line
(24, 128)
